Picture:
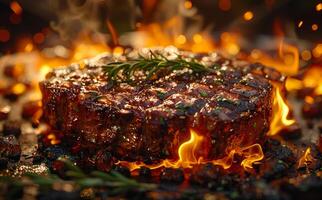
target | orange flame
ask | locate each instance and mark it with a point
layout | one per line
(187, 150)
(53, 139)
(287, 62)
(169, 33)
(306, 159)
(280, 113)
(251, 154)
(188, 158)
(312, 79)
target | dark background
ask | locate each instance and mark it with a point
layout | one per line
(270, 17)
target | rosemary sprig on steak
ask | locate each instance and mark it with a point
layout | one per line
(116, 182)
(151, 65)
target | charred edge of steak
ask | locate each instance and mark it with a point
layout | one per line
(148, 121)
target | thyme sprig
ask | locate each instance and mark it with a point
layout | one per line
(150, 65)
(116, 182)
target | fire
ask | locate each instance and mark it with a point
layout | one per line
(187, 150)
(287, 61)
(87, 49)
(312, 79)
(306, 159)
(229, 43)
(280, 113)
(188, 156)
(172, 32)
(252, 155)
(169, 33)
(53, 139)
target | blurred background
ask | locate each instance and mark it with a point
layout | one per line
(50, 22)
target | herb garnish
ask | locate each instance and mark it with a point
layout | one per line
(117, 183)
(150, 66)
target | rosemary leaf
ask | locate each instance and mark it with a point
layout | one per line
(117, 183)
(150, 66)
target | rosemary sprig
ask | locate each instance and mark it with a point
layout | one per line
(117, 183)
(150, 66)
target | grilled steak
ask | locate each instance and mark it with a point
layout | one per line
(147, 120)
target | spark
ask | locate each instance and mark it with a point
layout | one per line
(248, 15)
(315, 27)
(187, 4)
(15, 7)
(306, 55)
(300, 24)
(318, 7)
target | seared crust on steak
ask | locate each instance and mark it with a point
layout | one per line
(148, 120)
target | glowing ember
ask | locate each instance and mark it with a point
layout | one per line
(280, 114)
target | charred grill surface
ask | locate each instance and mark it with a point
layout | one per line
(148, 120)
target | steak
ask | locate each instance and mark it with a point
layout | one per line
(146, 120)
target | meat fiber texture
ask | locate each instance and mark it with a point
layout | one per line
(147, 121)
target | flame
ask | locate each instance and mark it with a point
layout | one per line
(169, 33)
(280, 113)
(188, 157)
(313, 79)
(252, 155)
(287, 61)
(187, 150)
(53, 139)
(229, 43)
(306, 158)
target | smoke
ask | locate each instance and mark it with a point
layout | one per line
(103, 19)
(90, 17)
